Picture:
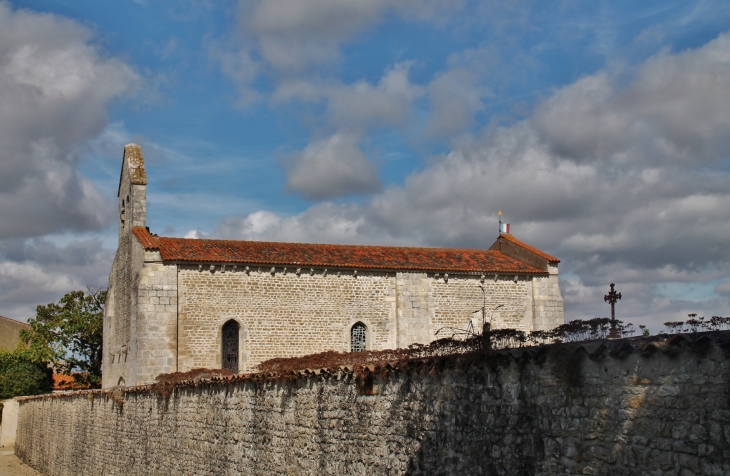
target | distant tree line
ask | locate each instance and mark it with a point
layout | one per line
(574, 331)
(698, 324)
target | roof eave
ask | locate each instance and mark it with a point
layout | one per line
(491, 271)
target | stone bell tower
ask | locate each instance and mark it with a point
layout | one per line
(121, 310)
(132, 193)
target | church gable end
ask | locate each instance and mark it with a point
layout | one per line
(514, 248)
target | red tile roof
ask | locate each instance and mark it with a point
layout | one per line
(67, 382)
(145, 237)
(517, 242)
(343, 256)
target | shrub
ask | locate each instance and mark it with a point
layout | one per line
(21, 375)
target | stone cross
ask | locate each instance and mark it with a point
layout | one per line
(612, 297)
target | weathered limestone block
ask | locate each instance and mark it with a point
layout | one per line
(156, 321)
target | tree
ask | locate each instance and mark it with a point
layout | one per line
(21, 374)
(68, 335)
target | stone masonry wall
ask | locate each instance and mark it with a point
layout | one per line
(458, 297)
(120, 319)
(603, 408)
(282, 313)
(156, 350)
(415, 309)
(547, 302)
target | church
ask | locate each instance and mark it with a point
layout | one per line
(176, 304)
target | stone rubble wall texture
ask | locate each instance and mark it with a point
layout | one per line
(519, 413)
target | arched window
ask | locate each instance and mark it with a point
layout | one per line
(357, 338)
(230, 346)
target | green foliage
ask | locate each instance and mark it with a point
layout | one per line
(21, 374)
(68, 335)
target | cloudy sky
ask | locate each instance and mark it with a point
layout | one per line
(600, 129)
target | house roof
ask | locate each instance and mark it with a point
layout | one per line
(67, 382)
(15, 321)
(343, 256)
(517, 242)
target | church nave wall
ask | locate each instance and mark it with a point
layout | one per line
(281, 314)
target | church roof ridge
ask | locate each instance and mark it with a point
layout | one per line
(343, 256)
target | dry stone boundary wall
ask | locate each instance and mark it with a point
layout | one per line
(605, 408)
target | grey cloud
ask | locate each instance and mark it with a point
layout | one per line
(362, 105)
(723, 288)
(359, 106)
(675, 108)
(331, 167)
(37, 271)
(634, 209)
(456, 97)
(54, 88)
(335, 166)
(640, 304)
(294, 34)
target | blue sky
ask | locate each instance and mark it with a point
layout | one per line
(601, 129)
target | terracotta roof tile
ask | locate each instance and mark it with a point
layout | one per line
(345, 256)
(148, 241)
(517, 242)
(67, 382)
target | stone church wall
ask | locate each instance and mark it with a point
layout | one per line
(157, 322)
(607, 408)
(177, 311)
(282, 313)
(547, 302)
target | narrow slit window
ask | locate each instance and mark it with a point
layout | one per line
(357, 338)
(230, 346)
